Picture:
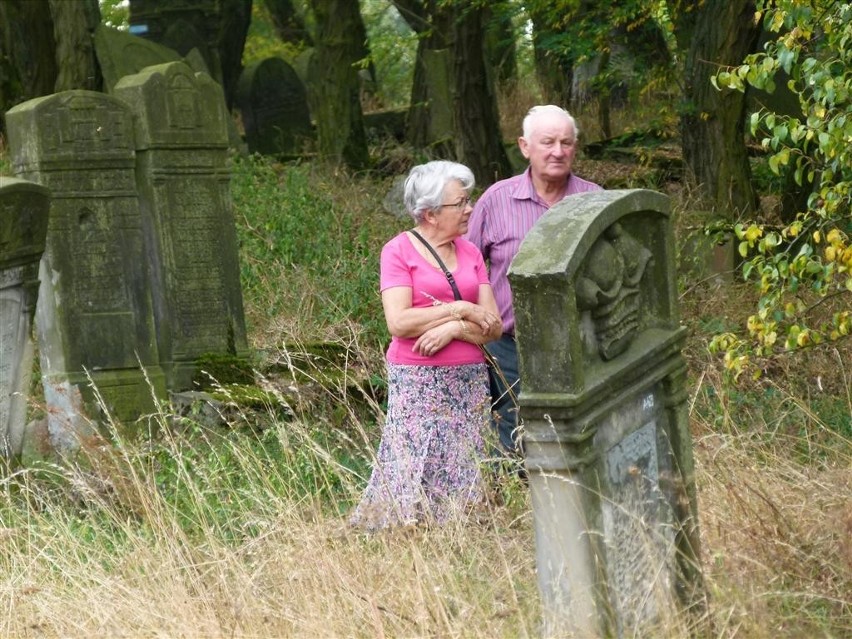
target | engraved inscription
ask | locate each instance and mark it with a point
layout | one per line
(182, 103)
(98, 284)
(200, 280)
(637, 529)
(10, 347)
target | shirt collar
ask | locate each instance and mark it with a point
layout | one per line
(524, 189)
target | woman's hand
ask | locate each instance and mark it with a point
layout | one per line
(484, 318)
(435, 339)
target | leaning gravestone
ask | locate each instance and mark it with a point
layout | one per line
(120, 53)
(607, 442)
(182, 26)
(183, 180)
(274, 107)
(94, 320)
(23, 227)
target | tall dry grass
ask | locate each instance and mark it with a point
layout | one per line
(238, 528)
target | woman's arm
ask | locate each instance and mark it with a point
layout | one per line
(479, 326)
(404, 320)
(481, 323)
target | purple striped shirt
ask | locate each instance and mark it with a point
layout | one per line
(498, 224)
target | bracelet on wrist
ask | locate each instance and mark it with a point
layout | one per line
(454, 312)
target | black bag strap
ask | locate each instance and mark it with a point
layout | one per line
(441, 264)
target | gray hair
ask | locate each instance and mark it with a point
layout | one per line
(547, 109)
(425, 184)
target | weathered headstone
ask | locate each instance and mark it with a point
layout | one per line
(120, 53)
(94, 318)
(24, 210)
(607, 442)
(274, 107)
(182, 26)
(183, 178)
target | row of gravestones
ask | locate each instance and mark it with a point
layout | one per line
(129, 197)
(271, 98)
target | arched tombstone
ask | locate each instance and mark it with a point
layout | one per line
(183, 180)
(24, 210)
(94, 319)
(607, 441)
(273, 103)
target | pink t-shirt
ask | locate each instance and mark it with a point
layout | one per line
(402, 265)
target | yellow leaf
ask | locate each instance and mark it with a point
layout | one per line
(752, 233)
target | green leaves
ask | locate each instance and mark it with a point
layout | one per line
(804, 268)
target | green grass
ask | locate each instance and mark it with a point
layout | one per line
(310, 244)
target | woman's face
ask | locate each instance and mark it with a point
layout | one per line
(452, 217)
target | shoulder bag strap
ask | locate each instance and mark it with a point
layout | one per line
(441, 264)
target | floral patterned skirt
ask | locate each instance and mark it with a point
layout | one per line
(427, 465)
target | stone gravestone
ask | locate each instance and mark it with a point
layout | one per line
(94, 319)
(607, 442)
(182, 26)
(183, 179)
(121, 53)
(23, 227)
(273, 102)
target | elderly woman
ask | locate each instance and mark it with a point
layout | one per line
(439, 309)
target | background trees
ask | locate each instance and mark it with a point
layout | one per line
(46, 46)
(467, 70)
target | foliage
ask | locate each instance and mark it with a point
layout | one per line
(262, 40)
(392, 48)
(586, 29)
(115, 13)
(804, 269)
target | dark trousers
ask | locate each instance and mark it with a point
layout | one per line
(504, 406)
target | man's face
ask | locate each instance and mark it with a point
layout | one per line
(550, 148)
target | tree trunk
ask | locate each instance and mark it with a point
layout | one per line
(451, 71)
(333, 85)
(555, 75)
(500, 50)
(288, 23)
(429, 124)
(235, 20)
(554, 70)
(73, 26)
(476, 122)
(27, 52)
(713, 129)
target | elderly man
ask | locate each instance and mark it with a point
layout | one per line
(498, 224)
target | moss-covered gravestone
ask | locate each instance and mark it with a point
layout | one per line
(607, 442)
(94, 319)
(183, 181)
(274, 107)
(183, 26)
(121, 53)
(23, 228)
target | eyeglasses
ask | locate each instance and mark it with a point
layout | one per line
(461, 205)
